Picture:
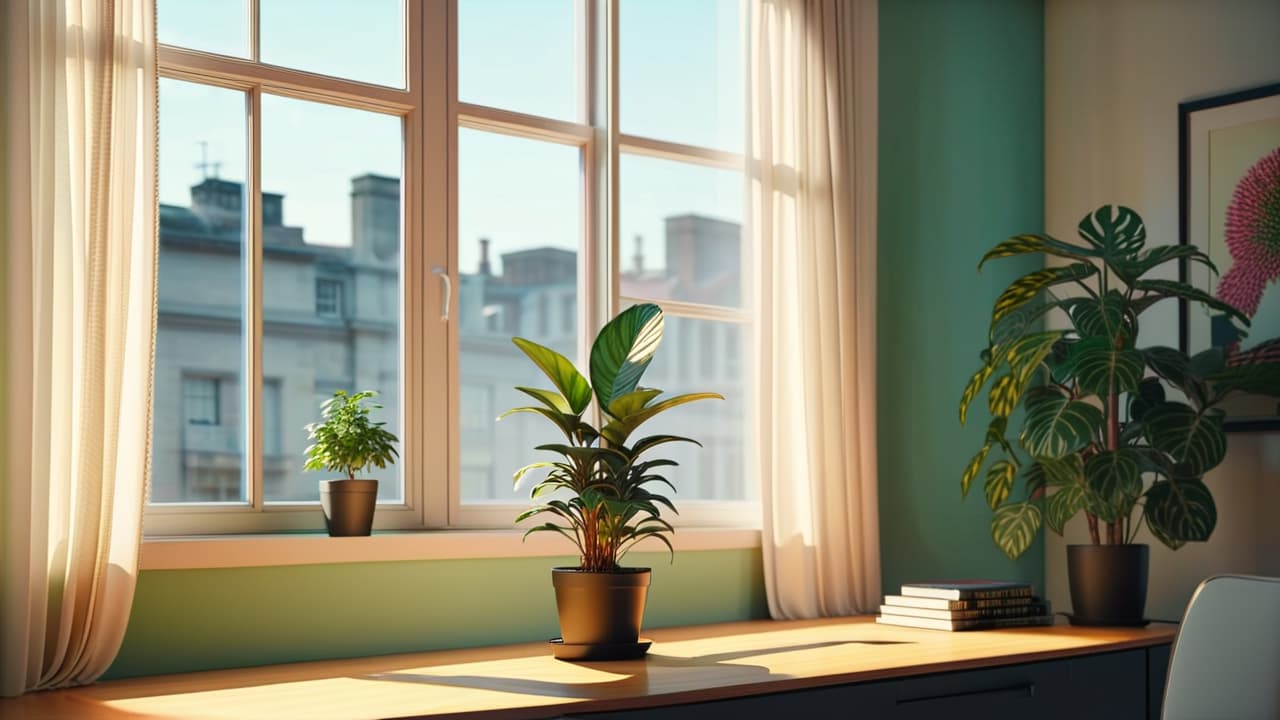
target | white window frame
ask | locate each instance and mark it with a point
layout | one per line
(332, 298)
(432, 116)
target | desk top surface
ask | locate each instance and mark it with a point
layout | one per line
(692, 664)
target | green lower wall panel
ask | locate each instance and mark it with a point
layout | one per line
(187, 620)
(961, 168)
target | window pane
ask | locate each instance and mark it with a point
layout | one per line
(520, 55)
(704, 356)
(216, 26)
(680, 71)
(330, 277)
(198, 443)
(520, 226)
(682, 232)
(361, 41)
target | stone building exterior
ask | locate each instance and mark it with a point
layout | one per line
(330, 322)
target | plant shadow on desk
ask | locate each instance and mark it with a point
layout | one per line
(626, 672)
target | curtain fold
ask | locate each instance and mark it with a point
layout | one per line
(812, 112)
(81, 274)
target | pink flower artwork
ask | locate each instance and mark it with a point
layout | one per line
(1252, 234)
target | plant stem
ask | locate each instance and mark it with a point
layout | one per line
(1093, 528)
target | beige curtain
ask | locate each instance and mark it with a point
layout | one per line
(80, 85)
(813, 175)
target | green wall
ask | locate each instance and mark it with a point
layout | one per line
(185, 620)
(961, 168)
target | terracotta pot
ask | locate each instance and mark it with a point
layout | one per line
(348, 506)
(1108, 584)
(600, 608)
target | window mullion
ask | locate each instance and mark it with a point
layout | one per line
(253, 307)
(255, 44)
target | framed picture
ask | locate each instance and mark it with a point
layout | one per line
(1229, 193)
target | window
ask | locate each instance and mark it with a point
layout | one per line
(200, 400)
(312, 190)
(329, 298)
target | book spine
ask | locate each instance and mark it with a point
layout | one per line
(994, 594)
(1039, 608)
(992, 623)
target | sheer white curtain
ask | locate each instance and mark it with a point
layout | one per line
(80, 91)
(812, 89)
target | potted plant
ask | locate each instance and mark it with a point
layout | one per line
(1120, 433)
(349, 441)
(604, 490)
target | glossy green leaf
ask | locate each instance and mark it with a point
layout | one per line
(619, 429)
(1059, 472)
(1193, 439)
(553, 400)
(1149, 394)
(1025, 288)
(1018, 323)
(571, 384)
(1100, 369)
(1105, 316)
(999, 483)
(1035, 243)
(566, 423)
(1161, 289)
(1114, 231)
(633, 402)
(1057, 426)
(1181, 510)
(1130, 270)
(623, 349)
(1062, 506)
(1025, 355)
(1114, 483)
(1257, 378)
(1014, 528)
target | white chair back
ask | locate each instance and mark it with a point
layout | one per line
(1226, 658)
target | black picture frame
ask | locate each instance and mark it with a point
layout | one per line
(1189, 113)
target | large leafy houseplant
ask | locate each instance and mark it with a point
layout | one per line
(1121, 433)
(605, 490)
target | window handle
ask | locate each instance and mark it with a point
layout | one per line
(447, 300)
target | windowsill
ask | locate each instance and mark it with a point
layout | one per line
(234, 551)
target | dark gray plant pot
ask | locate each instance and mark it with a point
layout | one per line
(1108, 584)
(600, 608)
(348, 506)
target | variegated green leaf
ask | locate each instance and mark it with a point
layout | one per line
(1116, 232)
(971, 470)
(622, 351)
(1063, 471)
(1129, 270)
(1181, 510)
(1057, 426)
(1033, 243)
(1025, 288)
(1025, 355)
(999, 483)
(1104, 316)
(1168, 363)
(1114, 481)
(1004, 396)
(1257, 378)
(1195, 440)
(1019, 322)
(1100, 369)
(1014, 528)
(1062, 506)
(974, 387)
(1160, 289)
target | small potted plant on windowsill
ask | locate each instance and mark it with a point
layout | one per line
(599, 492)
(349, 441)
(1120, 433)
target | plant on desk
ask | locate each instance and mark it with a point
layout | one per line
(1119, 433)
(604, 492)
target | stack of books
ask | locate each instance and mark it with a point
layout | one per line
(965, 605)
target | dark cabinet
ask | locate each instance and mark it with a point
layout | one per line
(1107, 686)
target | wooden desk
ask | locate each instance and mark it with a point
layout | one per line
(835, 667)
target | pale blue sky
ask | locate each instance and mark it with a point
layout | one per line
(680, 66)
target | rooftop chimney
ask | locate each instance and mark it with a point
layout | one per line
(485, 268)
